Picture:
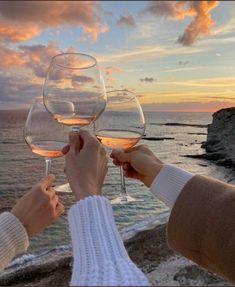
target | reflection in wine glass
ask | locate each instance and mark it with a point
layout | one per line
(121, 125)
(43, 134)
(74, 90)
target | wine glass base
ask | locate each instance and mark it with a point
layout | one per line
(124, 200)
(63, 188)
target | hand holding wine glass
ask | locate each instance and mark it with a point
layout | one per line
(86, 164)
(139, 162)
(121, 125)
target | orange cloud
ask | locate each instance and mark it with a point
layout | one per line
(201, 22)
(21, 20)
(10, 57)
(188, 106)
(109, 70)
(178, 10)
(12, 32)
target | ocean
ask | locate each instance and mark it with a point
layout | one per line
(20, 169)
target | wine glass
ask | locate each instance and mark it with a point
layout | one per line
(121, 125)
(74, 91)
(43, 134)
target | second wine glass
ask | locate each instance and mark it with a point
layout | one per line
(74, 90)
(121, 125)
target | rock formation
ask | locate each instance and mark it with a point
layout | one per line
(220, 144)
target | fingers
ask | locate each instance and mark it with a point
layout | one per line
(116, 161)
(57, 206)
(74, 142)
(65, 149)
(47, 181)
(87, 138)
(120, 155)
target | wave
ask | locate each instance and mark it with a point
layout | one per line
(65, 250)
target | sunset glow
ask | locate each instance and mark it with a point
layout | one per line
(175, 55)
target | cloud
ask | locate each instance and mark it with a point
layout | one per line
(78, 81)
(126, 20)
(207, 82)
(143, 53)
(201, 22)
(21, 20)
(167, 9)
(178, 10)
(18, 89)
(147, 80)
(183, 62)
(37, 57)
(188, 106)
(10, 57)
(110, 70)
(183, 69)
(82, 79)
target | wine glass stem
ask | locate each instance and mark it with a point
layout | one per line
(75, 128)
(123, 184)
(48, 165)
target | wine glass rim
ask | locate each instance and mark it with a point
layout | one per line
(53, 60)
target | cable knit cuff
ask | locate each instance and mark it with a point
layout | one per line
(168, 184)
(13, 236)
(95, 237)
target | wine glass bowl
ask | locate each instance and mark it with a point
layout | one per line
(74, 90)
(121, 125)
(43, 134)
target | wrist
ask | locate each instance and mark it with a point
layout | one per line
(155, 169)
(83, 192)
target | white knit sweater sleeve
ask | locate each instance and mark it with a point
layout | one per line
(13, 238)
(168, 184)
(99, 255)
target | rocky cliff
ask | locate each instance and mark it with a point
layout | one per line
(220, 144)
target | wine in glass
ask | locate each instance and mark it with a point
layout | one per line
(121, 125)
(74, 91)
(43, 134)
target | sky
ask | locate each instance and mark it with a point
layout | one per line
(175, 55)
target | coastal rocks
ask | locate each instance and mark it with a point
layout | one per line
(220, 144)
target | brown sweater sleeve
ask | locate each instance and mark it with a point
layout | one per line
(202, 225)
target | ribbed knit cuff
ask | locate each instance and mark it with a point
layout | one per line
(168, 184)
(95, 237)
(14, 237)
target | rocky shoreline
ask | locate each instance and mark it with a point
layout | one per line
(219, 146)
(148, 249)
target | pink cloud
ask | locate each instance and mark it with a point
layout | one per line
(110, 70)
(21, 20)
(177, 10)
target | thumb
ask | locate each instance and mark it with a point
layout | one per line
(47, 181)
(120, 155)
(59, 208)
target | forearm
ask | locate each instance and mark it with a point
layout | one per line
(100, 257)
(201, 225)
(13, 238)
(202, 219)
